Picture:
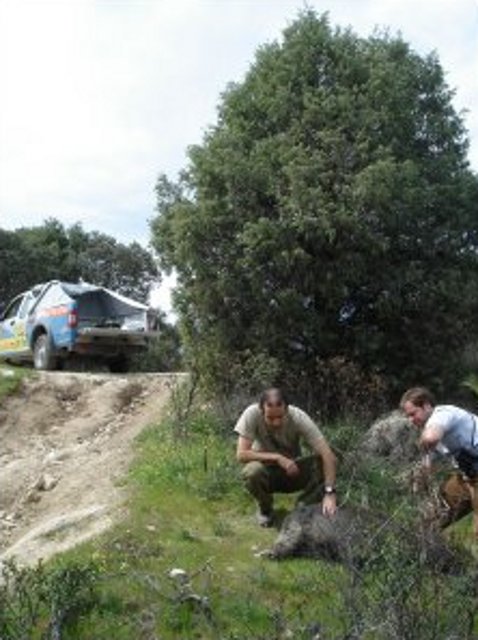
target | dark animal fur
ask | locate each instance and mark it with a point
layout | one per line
(354, 536)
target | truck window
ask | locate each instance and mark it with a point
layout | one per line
(13, 307)
(52, 297)
(25, 305)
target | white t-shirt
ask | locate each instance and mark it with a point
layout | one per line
(459, 429)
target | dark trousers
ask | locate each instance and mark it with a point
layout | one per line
(263, 480)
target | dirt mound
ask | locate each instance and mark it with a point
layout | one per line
(65, 443)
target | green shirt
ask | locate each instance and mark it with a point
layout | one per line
(286, 440)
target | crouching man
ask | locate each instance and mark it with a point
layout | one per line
(447, 430)
(269, 445)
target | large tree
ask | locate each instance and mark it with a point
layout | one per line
(329, 214)
(31, 255)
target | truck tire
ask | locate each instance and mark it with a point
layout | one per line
(43, 355)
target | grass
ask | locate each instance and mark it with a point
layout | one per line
(184, 564)
(10, 378)
(188, 511)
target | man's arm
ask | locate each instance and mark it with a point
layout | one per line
(329, 463)
(431, 436)
(245, 453)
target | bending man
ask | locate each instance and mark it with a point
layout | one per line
(449, 431)
(269, 445)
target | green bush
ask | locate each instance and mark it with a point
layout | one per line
(35, 599)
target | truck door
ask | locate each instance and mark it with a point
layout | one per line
(13, 341)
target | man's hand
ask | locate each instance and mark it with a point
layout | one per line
(329, 504)
(289, 466)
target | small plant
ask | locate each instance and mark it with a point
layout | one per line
(37, 598)
(10, 379)
(182, 398)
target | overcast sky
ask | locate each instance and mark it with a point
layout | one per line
(100, 96)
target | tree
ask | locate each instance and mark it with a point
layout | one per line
(102, 260)
(31, 255)
(12, 268)
(328, 214)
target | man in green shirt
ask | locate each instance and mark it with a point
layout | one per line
(269, 445)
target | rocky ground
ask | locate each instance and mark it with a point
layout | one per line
(66, 444)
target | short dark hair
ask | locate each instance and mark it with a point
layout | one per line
(272, 395)
(419, 396)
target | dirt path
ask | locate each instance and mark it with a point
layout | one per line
(65, 442)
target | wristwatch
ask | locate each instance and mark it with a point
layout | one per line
(329, 490)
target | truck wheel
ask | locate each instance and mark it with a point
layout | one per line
(43, 356)
(119, 364)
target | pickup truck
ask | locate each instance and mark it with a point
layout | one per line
(57, 320)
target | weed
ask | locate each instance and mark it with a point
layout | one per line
(11, 378)
(36, 598)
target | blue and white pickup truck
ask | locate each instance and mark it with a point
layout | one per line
(57, 320)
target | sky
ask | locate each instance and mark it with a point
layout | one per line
(99, 97)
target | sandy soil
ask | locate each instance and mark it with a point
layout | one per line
(65, 444)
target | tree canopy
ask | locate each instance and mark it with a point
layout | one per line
(31, 255)
(328, 216)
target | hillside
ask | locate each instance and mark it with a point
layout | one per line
(187, 559)
(66, 442)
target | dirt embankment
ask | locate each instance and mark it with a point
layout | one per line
(65, 442)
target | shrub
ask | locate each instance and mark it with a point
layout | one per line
(38, 598)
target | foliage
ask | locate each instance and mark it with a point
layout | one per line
(330, 213)
(31, 255)
(394, 597)
(339, 387)
(32, 599)
(164, 352)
